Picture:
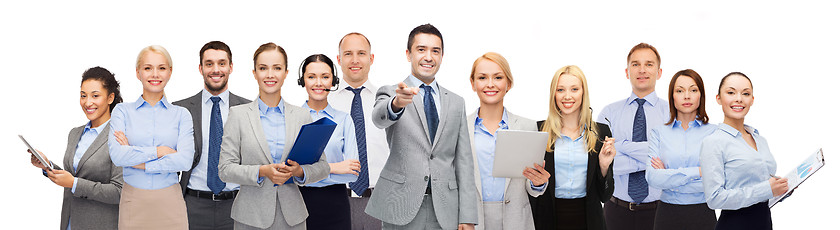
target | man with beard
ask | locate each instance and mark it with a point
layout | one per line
(209, 200)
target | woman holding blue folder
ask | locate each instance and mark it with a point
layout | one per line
(326, 200)
(255, 146)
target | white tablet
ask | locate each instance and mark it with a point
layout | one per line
(35, 153)
(516, 150)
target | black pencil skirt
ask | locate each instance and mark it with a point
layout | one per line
(689, 217)
(756, 217)
(329, 207)
(570, 213)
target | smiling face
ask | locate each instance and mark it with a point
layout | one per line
(153, 72)
(316, 78)
(95, 100)
(490, 82)
(425, 56)
(735, 97)
(355, 58)
(686, 95)
(270, 71)
(215, 67)
(568, 94)
(643, 71)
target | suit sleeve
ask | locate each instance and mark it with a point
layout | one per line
(381, 111)
(468, 210)
(108, 193)
(605, 185)
(230, 157)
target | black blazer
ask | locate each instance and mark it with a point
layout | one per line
(193, 104)
(599, 189)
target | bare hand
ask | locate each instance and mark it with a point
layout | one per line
(164, 150)
(121, 138)
(403, 96)
(607, 154)
(35, 162)
(140, 166)
(294, 168)
(351, 166)
(466, 227)
(779, 186)
(537, 175)
(657, 163)
(273, 173)
(61, 178)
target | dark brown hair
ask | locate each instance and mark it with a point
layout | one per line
(215, 45)
(701, 111)
(731, 74)
(108, 82)
(424, 29)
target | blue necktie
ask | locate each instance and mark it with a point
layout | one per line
(637, 186)
(215, 144)
(432, 119)
(358, 115)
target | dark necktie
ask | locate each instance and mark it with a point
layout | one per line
(432, 119)
(215, 143)
(637, 186)
(358, 115)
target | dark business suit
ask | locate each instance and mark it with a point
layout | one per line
(95, 205)
(599, 189)
(203, 211)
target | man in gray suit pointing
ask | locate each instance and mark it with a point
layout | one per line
(427, 182)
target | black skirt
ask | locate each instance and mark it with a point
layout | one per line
(689, 217)
(329, 207)
(570, 213)
(756, 217)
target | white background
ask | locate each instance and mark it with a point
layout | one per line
(789, 50)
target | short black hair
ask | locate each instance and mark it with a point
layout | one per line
(424, 29)
(215, 45)
(109, 82)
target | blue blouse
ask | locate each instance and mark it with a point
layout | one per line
(679, 150)
(342, 145)
(570, 161)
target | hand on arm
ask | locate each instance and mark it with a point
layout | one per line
(537, 175)
(657, 163)
(351, 166)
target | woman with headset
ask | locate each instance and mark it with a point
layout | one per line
(326, 200)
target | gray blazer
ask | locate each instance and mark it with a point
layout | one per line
(193, 104)
(517, 208)
(414, 160)
(244, 149)
(95, 205)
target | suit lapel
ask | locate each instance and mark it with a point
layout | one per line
(100, 141)
(419, 108)
(291, 125)
(256, 125)
(444, 107)
(195, 111)
(476, 171)
(75, 134)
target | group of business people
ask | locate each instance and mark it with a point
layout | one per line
(429, 161)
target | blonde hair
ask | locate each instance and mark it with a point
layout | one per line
(553, 123)
(156, 49)
(499, 60)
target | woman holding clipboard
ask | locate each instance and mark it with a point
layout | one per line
(503, 202)
(91, 182)
(255, 146)
(578, 156)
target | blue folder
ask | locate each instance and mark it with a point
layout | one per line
(311, 141)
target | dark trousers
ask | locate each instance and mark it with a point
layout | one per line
(620, 218)
(755, 217)
(570, 214)
(328, 207)
(359, 219)
(689, 217)
(203, 213)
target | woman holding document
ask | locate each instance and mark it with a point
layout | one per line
(152, 140)
(737, 165)
(675, 157)
(255, 146)
(503, 202)
(91, 182)
(578, 156)
(326, 200)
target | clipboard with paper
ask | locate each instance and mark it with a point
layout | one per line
(801, 173)
(310, 142)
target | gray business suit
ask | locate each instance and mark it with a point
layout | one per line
(95, 205)
(244, 149)
(414, 160)
(193, 104)
(516, 212)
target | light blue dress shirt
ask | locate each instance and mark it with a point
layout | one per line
(198, 178)
(273, 120)
(492, 188)
(87, 138)
(679, 150)
(146, 128)
(570, 162)
(422, 93)
(734, 174)
(632, 156)
(342, 145)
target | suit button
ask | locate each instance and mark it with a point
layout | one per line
(432, 157)
(425, 178)
(507, 201)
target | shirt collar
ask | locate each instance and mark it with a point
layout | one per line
(692, 124)
(163, 102)
(205, 96)
(97, 129)
(734, 132)
(368, 86)
(264, 108)
(329, 111)
(503, 124)
(650, 98)
(417, 82)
